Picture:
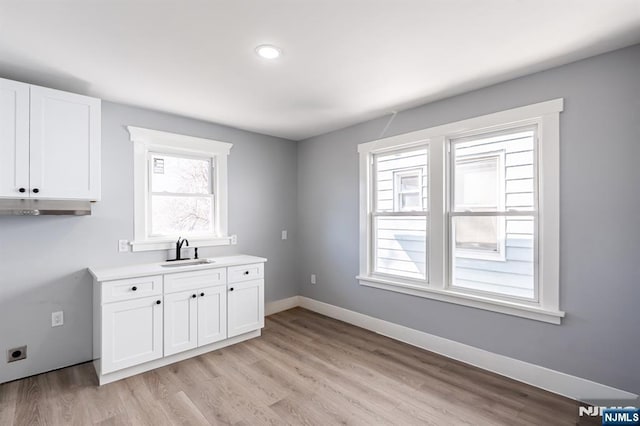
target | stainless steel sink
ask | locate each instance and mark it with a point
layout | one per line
(187, 263)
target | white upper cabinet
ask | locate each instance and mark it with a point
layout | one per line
(14, 139)
(49, 143)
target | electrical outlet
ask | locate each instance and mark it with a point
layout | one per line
(313, 278)
(57, 319)
(123, 246)
(284, 234)
(16, 354)
(234, 239)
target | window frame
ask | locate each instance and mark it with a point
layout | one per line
(397, 182)
(150, 193)
(149, 142)
(546, 117)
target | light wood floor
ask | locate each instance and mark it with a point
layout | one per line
(305, 369)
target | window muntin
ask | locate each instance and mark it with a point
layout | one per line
(500, 220)
(399, 217)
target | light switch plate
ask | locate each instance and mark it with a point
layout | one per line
(123, 246)
(284, 234)
(313, 278)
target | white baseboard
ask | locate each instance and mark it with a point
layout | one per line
(281, 305)
(553, 381)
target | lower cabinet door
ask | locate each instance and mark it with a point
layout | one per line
(180, 322)
(245, 308)
(212, 314)
(131, 333)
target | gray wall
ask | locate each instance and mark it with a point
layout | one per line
(600, 236)
(43, 260)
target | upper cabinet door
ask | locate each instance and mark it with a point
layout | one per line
(65, 145)
(14, 139)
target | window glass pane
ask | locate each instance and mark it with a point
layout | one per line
(509, 275)
(410, 183)
(495, 172)
(477, 187)
(181, 175)
(477, 233)
(410, 201)
(181, 215)
(400, 246)
(397, 173)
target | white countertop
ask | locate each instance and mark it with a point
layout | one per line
(141, 270)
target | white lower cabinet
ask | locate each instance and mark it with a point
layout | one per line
(131, 333)
(212, 315)
(180, 322)
(144, 322)
(246, 306)
(194, 318)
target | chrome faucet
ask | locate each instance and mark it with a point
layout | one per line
(179, 245)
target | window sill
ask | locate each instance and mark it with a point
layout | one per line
(479, 302)
(149, 245)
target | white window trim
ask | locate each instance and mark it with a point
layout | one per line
(546, 116)
(146, 141)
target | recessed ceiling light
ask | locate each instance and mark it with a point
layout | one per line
(268, 51)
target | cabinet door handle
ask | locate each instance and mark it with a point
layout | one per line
(201, 294)
(134, 288)
(193, 296)
(246, 272)
(231, 289)
(21, 190)
(158, 302)
(36, 190)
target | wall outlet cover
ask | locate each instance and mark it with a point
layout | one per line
(16, 354)
(284, 234)
(234, 239)
(57, 319)
(313, 278)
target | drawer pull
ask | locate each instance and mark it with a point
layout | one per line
(246, 272)
(231, 289)
(158, 302)
(201, 294)
(193, 296)
(134, 288)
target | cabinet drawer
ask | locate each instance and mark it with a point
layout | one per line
(194, 280)
(246, 272)
(131, 288)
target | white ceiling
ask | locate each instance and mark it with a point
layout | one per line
(344, 61)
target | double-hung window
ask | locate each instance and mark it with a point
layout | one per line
(467, 212)
(399, 216)
(180, 187)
